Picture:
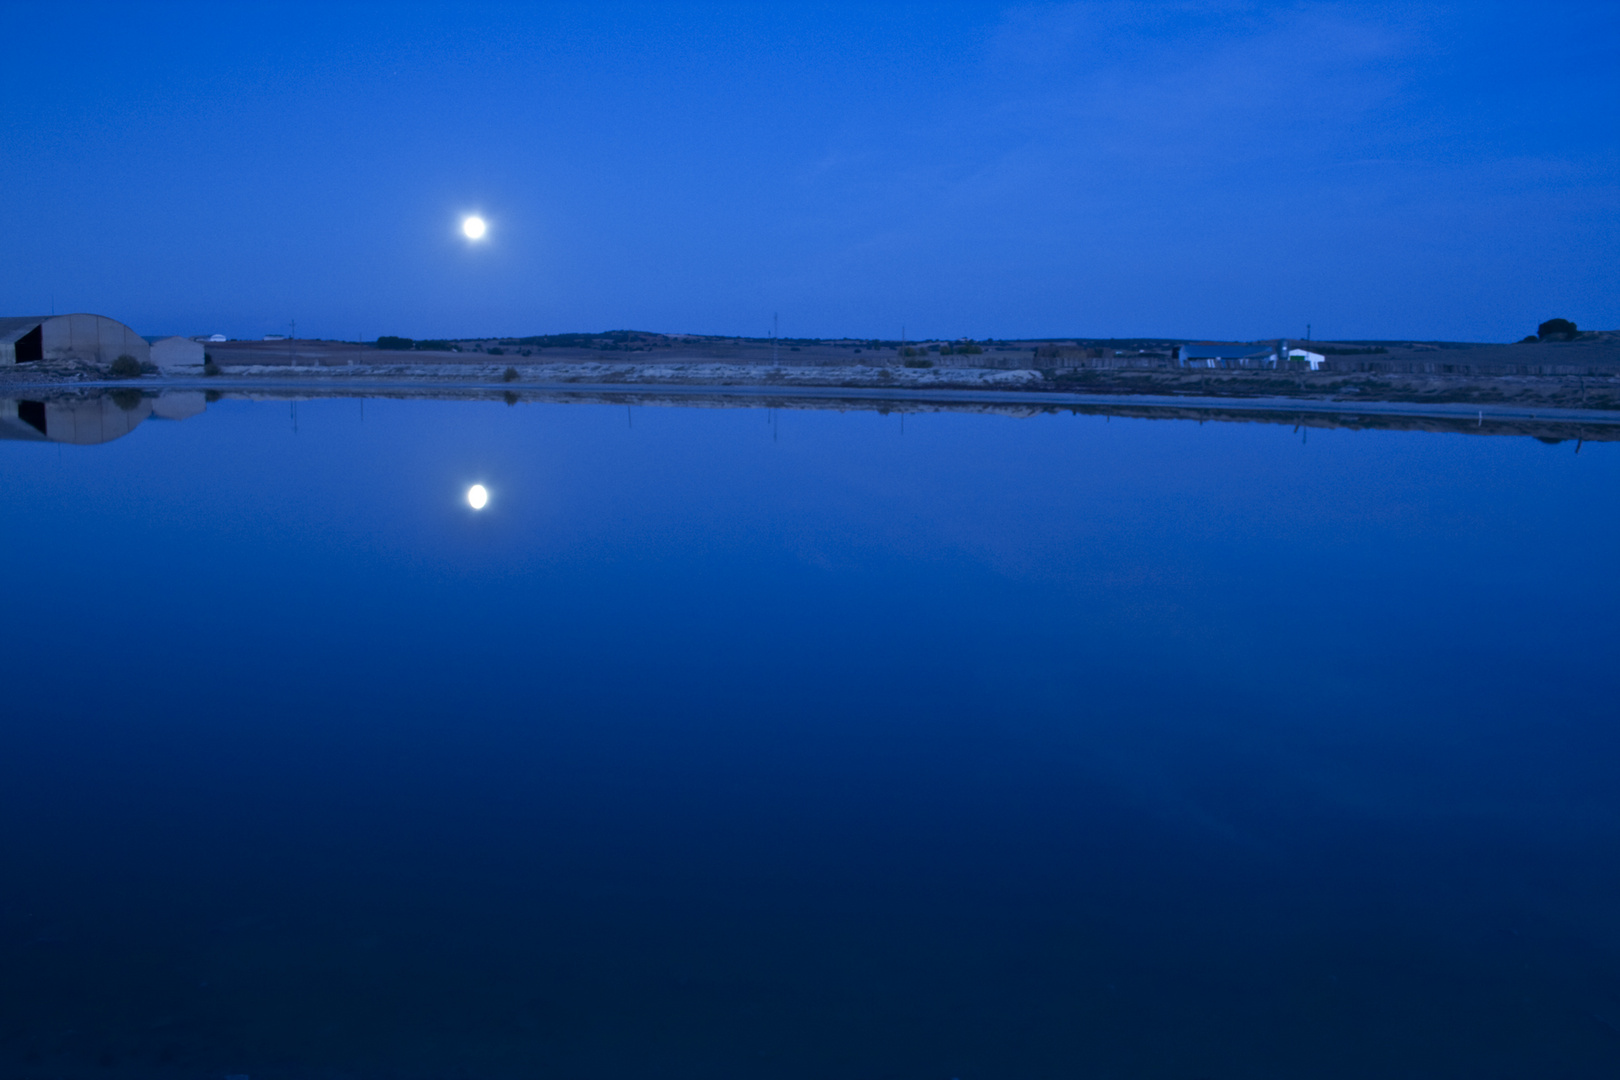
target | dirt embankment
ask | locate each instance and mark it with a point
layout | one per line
(1552, 391)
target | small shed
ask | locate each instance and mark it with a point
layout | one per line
(171, 353)
(93, 339)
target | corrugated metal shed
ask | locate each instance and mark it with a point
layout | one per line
(93, 339)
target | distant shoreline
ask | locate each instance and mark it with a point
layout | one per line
(1590, 393)
(1549, 424)
(97, 409)
(361, 386)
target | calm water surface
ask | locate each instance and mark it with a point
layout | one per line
(738, 743)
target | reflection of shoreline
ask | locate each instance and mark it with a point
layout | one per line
(90, 414)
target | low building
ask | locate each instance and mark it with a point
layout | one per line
(1065, 356)
(92, 339)
(1311, 360)
(1226, 356)
(173, 353)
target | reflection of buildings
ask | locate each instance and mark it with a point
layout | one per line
(93, 339)
(90, 420)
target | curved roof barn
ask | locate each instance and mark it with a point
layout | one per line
(93, 339)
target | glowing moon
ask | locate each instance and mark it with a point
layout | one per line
(474, 227)
(477, 497)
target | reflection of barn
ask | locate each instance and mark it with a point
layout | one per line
(90, 420)
(93, 339)
(83, 421)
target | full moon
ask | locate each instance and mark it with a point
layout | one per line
(474, 227)
(477, 497)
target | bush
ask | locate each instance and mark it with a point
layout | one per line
(496, 350)
(125, 367)
(1556, 330)
(209, 367)
(925, 362)
(398, 344)
(509, 375)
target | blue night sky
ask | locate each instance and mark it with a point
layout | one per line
(1192, 170)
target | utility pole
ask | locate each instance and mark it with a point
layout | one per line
(773, 339)
(293, 337)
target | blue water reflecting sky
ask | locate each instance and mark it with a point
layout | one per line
(786, 743)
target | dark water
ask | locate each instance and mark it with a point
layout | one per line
(740, 744)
